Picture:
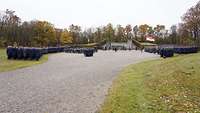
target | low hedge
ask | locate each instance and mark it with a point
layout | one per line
(24, 53)
(169, 51)
(31, 53)
(186, 50)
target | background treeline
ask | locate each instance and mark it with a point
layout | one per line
(42, 33)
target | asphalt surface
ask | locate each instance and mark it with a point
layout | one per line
(67, 83)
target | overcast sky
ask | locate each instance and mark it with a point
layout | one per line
(92, 13)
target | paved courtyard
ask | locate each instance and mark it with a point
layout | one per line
(67, 83)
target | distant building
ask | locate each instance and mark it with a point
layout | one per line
(119, 46)
(150, 38)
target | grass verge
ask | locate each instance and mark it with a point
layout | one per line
(8, 65)
(159, 86)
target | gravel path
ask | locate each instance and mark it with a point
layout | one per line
(67, 83)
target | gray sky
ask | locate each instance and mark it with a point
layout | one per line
(92, 13)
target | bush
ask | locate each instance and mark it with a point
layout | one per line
(20, 54)
(166, 52)
(11, 52)
(89, 52)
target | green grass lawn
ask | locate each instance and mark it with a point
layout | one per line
(7, 65)
(159, 86)
(148, 44)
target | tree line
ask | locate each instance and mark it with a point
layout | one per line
(189, 29)
(38, 33)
